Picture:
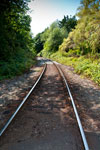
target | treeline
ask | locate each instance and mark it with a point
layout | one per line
(86, 36)
(68, 37)
(49, 40)
(16, 50)
(75, 42)
(69, 34)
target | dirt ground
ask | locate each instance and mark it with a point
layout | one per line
(48, 121)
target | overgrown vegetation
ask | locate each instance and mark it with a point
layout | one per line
(86, 35)
(81, 41)
(52, 37)
(16, 43)
(88, 66)
(72, 42)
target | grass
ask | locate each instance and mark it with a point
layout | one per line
(83, 65)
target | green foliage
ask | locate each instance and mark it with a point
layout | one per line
(45, 35)
(68, 23)
(16, 65)
(51, 38)
(38, 43)
(86, 35)
(88, 7)
(54, 40)
(15, 37)
(87, 67)
(81, 43)
(67, 43)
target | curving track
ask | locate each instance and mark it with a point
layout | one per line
(47, 120)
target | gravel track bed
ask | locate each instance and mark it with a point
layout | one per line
(85, 93)
(87, 98)
(47, 121)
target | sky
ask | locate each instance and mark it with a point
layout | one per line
(45, 12)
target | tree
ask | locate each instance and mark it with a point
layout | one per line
(68, 23)
(88, 7)
(38, 43)
(14, 27)
(54, 40)
(52, 37)
(16, 42)
(86, 35)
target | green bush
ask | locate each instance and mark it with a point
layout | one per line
(16, 66)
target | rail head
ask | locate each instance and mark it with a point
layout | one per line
(22, 103)
(74, 108)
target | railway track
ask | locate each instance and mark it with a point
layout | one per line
(51, 105)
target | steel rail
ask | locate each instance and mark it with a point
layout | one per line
(75, 111)
(21, 104)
